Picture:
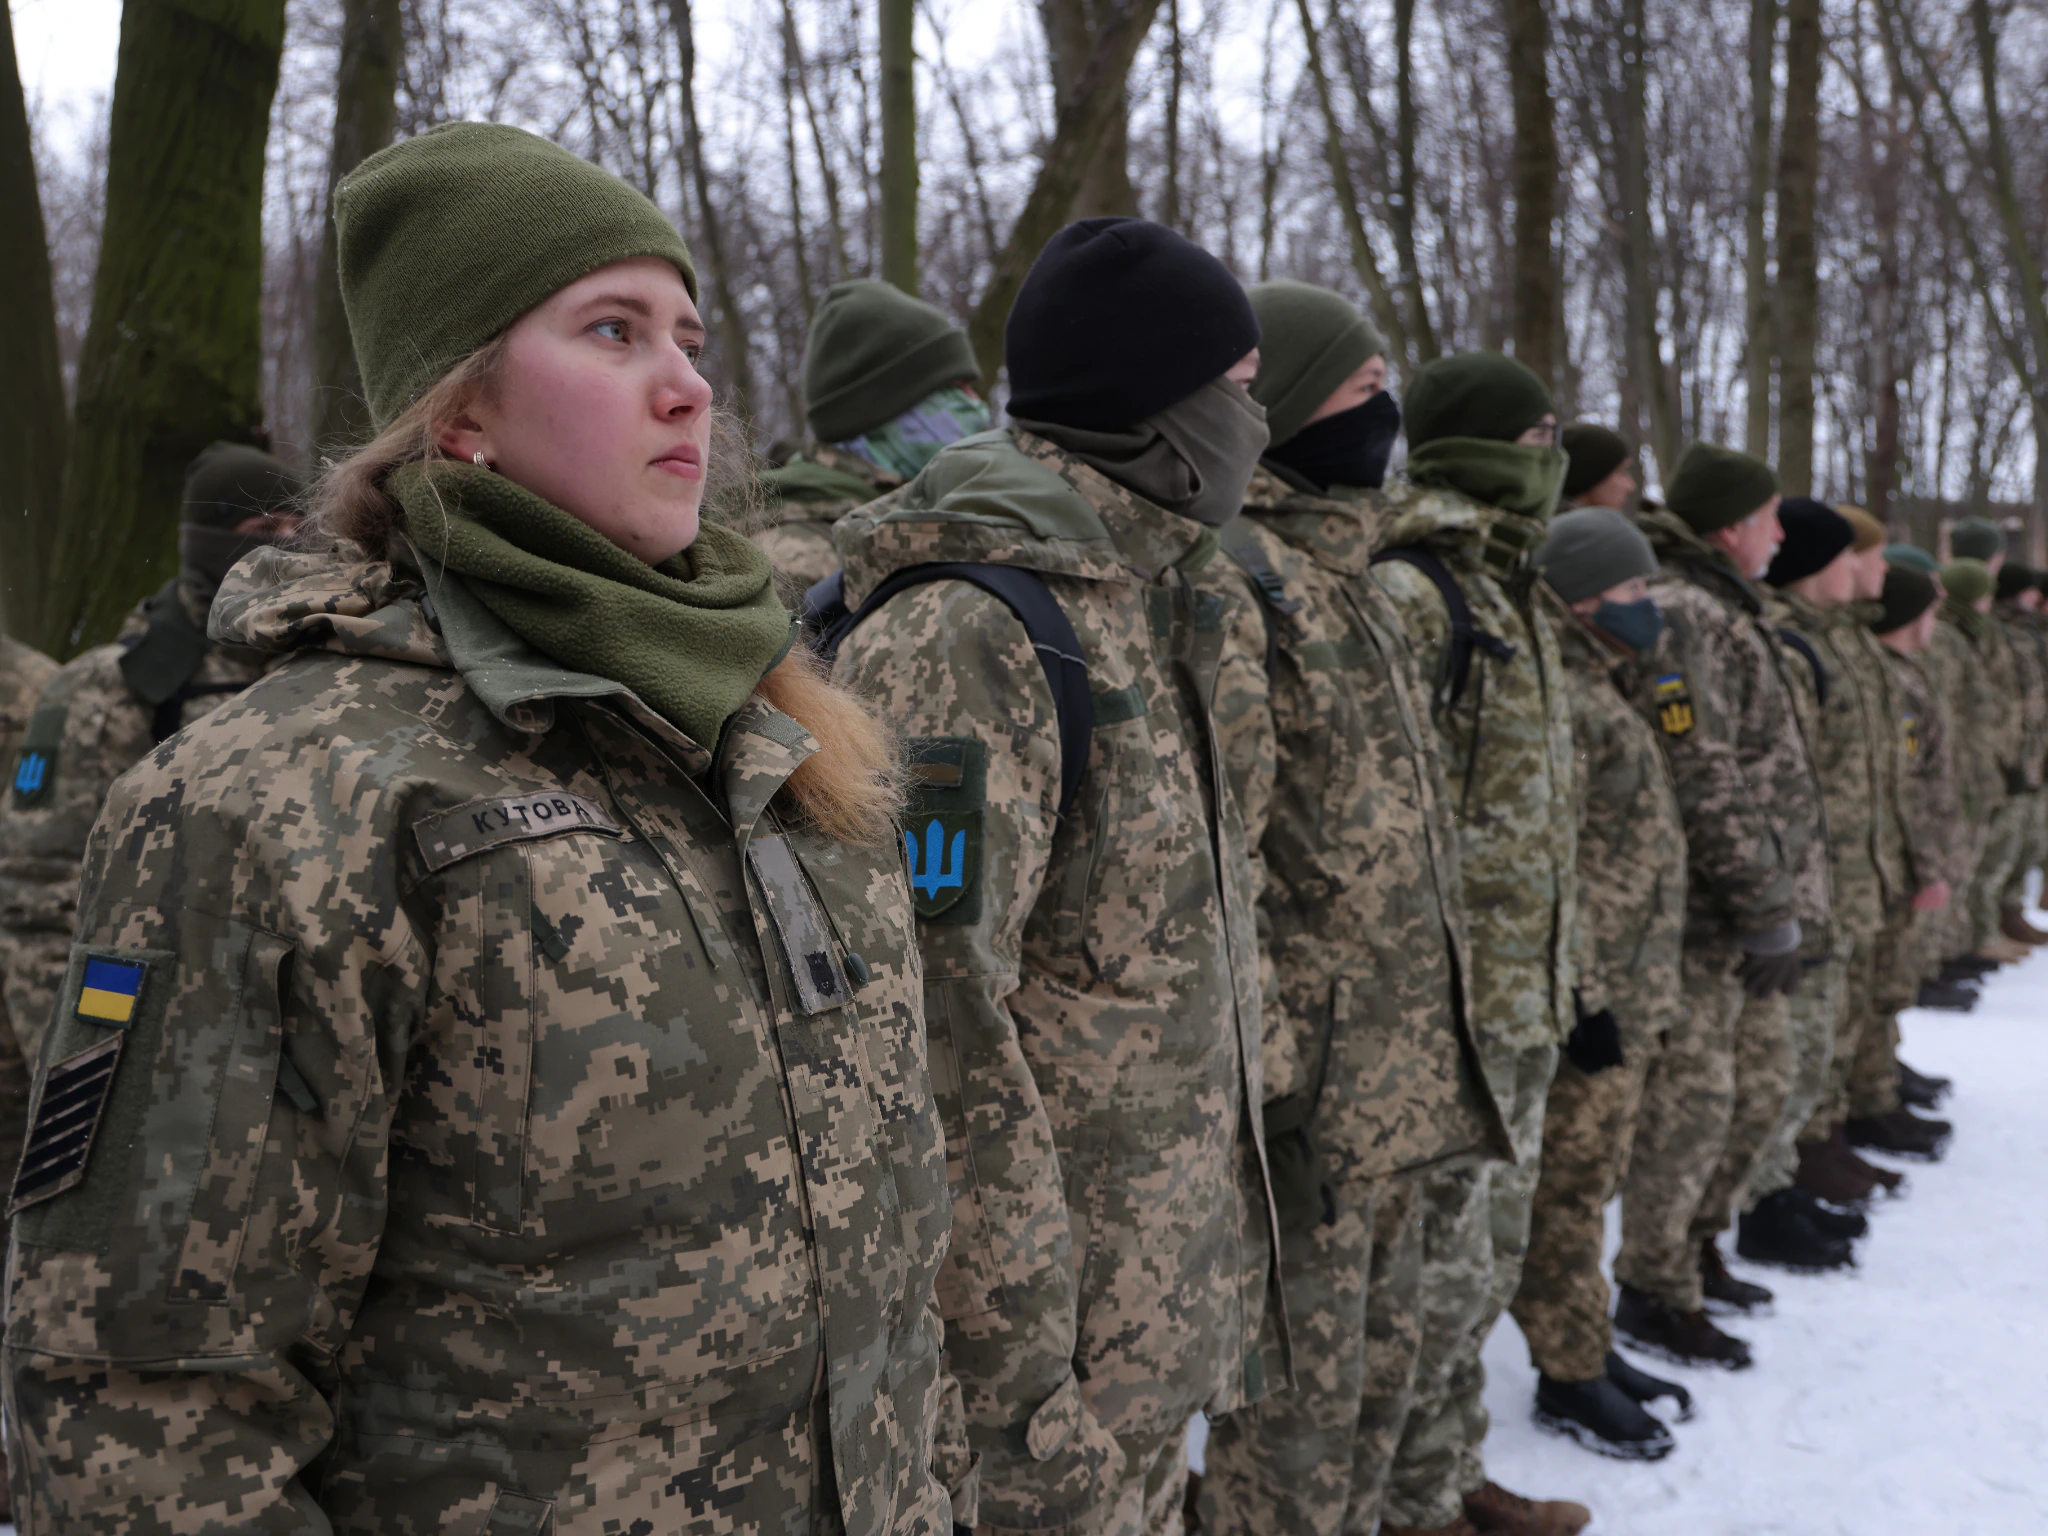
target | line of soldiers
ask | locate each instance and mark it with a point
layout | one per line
(1330, 892)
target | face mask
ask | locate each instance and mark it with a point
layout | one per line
(904, 446)
(1349, 448)
(1218, 432)
(1636, 625)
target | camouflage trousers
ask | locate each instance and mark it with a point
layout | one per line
(1315, 1460)
(1588, 1125)
(1152, 1500)
(2033, 851)
(1681, 1129)
(1814, 1014)
(2005, 843)
(1951, 931)
(1475, 1231)
(1882, 977)
(1765, 1063)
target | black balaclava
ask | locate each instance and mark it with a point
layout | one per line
(1349, 448)
(225, 484)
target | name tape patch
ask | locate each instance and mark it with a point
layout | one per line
(447, 836)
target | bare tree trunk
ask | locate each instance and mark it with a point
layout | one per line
(32, 424)
(1653, 383)
(1402, 215)
(1887, 370)
(1071, 30)
(1078, 134)
(365, 115)
(173, 357)
(1537, 334)
(835, 219)
(799, 237)
(1796, 321)
(899, 144)
(732, 328)
(1169, 214)
(1763, 47)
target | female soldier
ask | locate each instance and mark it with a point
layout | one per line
(489, 1090)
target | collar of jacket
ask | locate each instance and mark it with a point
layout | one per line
(1012, 498)
(1677, 545)
(1583, 649)
(1483, 538)
(1965, 618)
(1340, 533)
(1810, 618)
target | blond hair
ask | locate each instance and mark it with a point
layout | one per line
(850, 790)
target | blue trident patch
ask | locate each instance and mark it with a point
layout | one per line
(30, 773)
(930, 875)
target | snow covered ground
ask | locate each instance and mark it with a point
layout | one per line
(1909, 1396)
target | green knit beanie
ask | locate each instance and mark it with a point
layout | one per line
(1912, 557)
(232, 481)
(1976, 538)
(1596, 452)
(1310, 340)
(873, 353)
(1474, 394)
(1966, 580)
(1717, 487)
(446, 239)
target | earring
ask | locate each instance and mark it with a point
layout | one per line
(478, 457)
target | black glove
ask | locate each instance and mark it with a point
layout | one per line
(1770, 960)
(1594, 1044)
(1301, 1201)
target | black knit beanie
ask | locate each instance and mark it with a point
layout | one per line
(872, 354)
(1596, 452)
(1907, 594)
(1814, 534)
(1474, 394)
(1715, 487)
(2014, 578)
(1117, 320)
(232, 481)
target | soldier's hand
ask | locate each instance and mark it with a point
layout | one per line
(1770, 959)
(1931, 898)
(1301, 1201)
(1594, 1044)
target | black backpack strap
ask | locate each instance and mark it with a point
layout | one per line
(1804, 647)
(1239, 543)
(1026, 595)
(1456, 669)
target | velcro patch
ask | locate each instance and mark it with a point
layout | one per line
(35, 766)
(110, 990)
(807, 941)
(448, 836)
(1674, 704)
(1912, 725)
(63, 1122)
(942, 827)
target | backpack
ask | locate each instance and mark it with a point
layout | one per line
(1046, 625)
(1804, 647)
(1456, 667)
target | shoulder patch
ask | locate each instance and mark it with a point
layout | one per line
(63, 1122)
(1674, 704)
(1912, 727)
(448, 836)
(35, 766)
(942, 827)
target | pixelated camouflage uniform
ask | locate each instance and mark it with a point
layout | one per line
(1091, 982)
(806, 497)
(22, 674)
(510, 1140)
(2014, 770)
(1956, 665)
(1369, 1052)
(2029, 633)
(1755, 857)
(1632, 892)
(1506, 747)
(93, 727)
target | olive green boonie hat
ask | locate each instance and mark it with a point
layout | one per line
(446, 239)
(1310, 340)
(872, 354)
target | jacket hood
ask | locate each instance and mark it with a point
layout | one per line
(334, 599)
(1340, 533)
(1677, 545)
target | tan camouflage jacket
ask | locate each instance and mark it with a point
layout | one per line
(1506, 749)
(1955, 664)
(1755, 841)
(1631, 841)
(22, 675)
(88, 729)
(510, 1122)
(1848, 729)
(1931, 809)
(1360, 910)
(1091, 984)
(806, 497)
(2023, 674)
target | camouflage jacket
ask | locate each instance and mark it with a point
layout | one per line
(529, 1129)
(806, 497)
(1360, 912)
(1955, 664)
(22, 675)
(1755, 843)
(1848, 726)
(89, 728)
(1631, 840)
(1930, 807)
(1506, 748)
(1091, 983)
(2023, 674)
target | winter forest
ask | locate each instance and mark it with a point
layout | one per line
(1811, 228)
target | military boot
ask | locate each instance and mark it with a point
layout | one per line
(1496, 1512)
(1829, 1219)
(1724, 1292)
(1601, 1417)
(1946, 996)
(1824, 1172)
(1923, 1090)
(1890, 1179)
(1967, 968)
(2012, 922)
(1901, 1133)
(2001, 951)
(1777, 1232)
(1458, 1527)
(1683, 1338)
(1645, 1388)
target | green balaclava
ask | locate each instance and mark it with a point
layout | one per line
(1310, 340)
(447, 239)
(1912, 557)
(1976, 538)
(1464, 414)
(225, 485)
(873, 353)
(1715, 487)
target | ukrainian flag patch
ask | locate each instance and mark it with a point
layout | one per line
(1674, 704)
(110, 990)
